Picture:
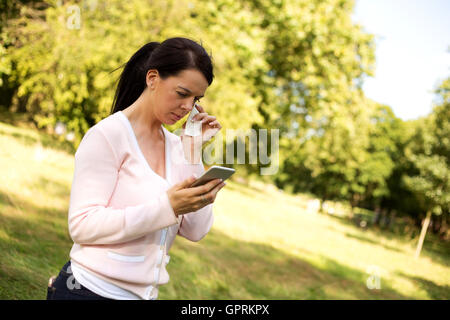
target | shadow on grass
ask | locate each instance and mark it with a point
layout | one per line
(35, 245)
(221, 267)
(434, 248)
(45, 139)
(435, 291)
(368, 240)
(34, 241)
(25, 139)
(57, 189)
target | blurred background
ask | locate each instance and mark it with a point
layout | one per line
(359, 91)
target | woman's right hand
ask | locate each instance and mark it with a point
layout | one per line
(184, 199)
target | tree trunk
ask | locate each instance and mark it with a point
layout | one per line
(437, 223)
(392, 220)
(425, 225)
(377, 216)
(353, 203)
(444, 227)
(383, 219)
(321, 209)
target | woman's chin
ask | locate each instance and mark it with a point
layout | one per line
(173, 118)
(170, 121)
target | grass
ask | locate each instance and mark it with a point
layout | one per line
(264, 243)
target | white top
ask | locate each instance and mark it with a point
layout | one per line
(120, 217)
(100, 286)
(94, 283)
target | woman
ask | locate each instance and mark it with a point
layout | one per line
(130, 193)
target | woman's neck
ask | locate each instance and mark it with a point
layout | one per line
(143, 120)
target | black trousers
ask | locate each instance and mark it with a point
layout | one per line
(66, 287)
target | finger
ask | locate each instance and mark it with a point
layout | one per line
(209, 119)
(186, 183)
(215, 124)
(199, 108)
(211, 185)
(206, 187)
(199, 116)
(210, 197)
(203, 200)
(210, 133)
(217, 189)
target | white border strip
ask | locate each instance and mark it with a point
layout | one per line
(123, 258)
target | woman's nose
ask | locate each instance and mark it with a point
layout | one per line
(188, 105)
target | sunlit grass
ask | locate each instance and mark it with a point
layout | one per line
(316, 238)
(264, 243)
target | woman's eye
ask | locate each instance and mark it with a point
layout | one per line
(185, 95)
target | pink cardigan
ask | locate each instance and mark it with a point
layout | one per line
(120, 217)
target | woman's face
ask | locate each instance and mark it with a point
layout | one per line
(175, 96)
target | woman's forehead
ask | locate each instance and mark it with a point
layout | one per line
(192, 81)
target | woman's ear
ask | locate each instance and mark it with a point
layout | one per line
(151, 78)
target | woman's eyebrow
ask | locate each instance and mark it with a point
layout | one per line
(189, 91)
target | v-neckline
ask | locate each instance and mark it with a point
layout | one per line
(141, 154)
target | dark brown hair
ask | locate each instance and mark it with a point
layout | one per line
(169, 57)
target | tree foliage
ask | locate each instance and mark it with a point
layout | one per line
(293, 65)
(429, 153)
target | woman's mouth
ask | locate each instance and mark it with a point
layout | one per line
(176, 117)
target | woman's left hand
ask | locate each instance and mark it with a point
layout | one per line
(210, 125)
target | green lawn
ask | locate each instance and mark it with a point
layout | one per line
(264, 243)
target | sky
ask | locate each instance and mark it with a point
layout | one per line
(412, 52)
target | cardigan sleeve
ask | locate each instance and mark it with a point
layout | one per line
(91, 220)
(196, 225)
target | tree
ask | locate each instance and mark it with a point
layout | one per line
(63, 55)
(311, 91)
(430, 155)
(9, 78)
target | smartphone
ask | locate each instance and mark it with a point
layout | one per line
(215, 172)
